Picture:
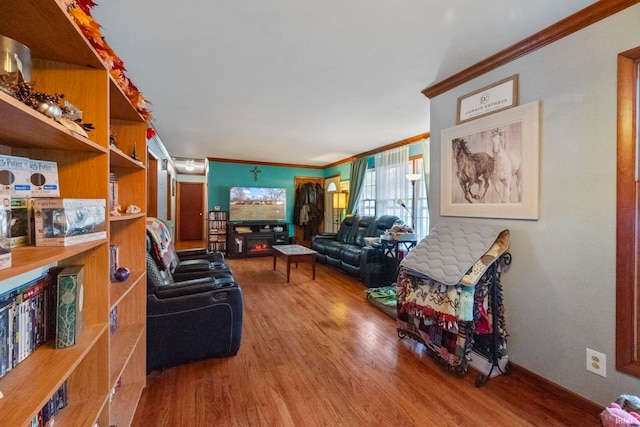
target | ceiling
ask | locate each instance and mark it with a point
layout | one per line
(301, 82)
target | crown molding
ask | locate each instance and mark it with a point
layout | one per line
(367, 153)
(579, 20)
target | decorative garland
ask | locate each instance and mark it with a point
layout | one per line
(80, 11)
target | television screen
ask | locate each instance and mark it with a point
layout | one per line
(257, 204)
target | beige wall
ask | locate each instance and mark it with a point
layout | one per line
(560, 289)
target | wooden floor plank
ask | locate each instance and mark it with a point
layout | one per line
(315, 353)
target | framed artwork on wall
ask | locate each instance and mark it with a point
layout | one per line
(490, 166)
(490, 99)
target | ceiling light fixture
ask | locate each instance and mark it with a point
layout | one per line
(189, 165)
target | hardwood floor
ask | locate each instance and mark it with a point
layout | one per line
(315, 353)
(189, 244)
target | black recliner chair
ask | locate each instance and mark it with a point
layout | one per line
(191, 320)
(182, 265)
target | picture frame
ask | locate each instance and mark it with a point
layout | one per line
(489, 99)
(490, 166)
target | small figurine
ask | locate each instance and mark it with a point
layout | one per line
(115, 210)
(133, 209)
(134, 154)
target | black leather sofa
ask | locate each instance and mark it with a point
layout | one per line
(347, 250)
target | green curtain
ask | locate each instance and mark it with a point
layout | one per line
(356, 182)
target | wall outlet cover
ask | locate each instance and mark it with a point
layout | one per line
(597, 362)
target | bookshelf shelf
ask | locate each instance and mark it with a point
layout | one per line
(119, 158)
(118, 290)
(127, 217)
(29, 258)
(61, 57)
(125, 339)
(13, 411)
(22, 126)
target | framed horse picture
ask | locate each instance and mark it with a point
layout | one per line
(490, 166)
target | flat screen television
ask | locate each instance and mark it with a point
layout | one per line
(257, 204)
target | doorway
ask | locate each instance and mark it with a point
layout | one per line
(331, 215)
(190, 214)
(152, 185)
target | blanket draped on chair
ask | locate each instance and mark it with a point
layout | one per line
(161, 241)
(442, 289)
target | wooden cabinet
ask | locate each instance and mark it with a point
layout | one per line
(105, 372)
(217, 231)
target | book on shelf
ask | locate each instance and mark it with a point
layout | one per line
(218, 215)
(113, 320)
(25, 319)
(114, 261)
(58, 401)
(70, 282)
(113, 191)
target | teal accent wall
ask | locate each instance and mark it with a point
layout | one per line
(223, 175)
(343, 169)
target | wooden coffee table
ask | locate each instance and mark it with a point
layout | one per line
(296, 254)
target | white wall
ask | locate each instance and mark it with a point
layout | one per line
(560, 289)
(155, 146)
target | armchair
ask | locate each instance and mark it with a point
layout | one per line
(191, 320)
(182, 265)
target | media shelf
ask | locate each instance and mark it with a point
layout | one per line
(105, 373)
(255, 238)
(217, 234)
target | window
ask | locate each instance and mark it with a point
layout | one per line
(628, 215)
(422, 203)
(367, 203)
(388, 205)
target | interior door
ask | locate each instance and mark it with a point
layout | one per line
(331, 216)
(152, 185)
(190, 211)
(299, 233)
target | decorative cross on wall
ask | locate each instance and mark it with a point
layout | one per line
(255, 172)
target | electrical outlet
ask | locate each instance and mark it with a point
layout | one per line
(597, 362)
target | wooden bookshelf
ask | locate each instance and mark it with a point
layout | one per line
(105, 372)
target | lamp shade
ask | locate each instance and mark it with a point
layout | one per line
(339, 200)
(413, 176)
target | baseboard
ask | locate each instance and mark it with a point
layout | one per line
(557, 390)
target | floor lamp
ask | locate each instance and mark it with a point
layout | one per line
(413, 177)
(339, 202)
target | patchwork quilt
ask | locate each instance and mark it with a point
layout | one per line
(161, 241)
(442, 289)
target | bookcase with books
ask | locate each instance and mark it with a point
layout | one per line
(218, 231)
(103, 373)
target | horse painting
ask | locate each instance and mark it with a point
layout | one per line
(506, 167)
(472, 168)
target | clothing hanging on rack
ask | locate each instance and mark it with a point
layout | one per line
(308, 211)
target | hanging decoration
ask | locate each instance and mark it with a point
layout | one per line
(80, 11)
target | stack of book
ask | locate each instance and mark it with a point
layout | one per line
(27, 320)
(46, 415)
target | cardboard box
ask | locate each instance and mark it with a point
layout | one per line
(5, 232)
(44, 179)
(15, 174)
(70, 300)
(65, 222)
(20, 218)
